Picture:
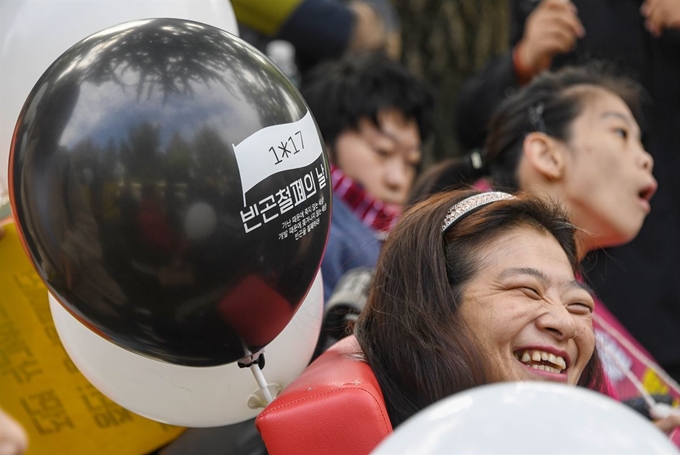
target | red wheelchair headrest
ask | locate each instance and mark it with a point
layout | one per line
(334, 407)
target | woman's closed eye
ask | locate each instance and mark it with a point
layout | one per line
(531, 292)
(581, 308)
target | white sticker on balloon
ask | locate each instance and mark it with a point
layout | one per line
(275, 149)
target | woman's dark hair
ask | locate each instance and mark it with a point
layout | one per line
(342, 92)
(549, 103)
(411, 332)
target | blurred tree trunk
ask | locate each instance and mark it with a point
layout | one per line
(445, 42)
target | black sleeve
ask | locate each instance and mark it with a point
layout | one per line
(481, 94)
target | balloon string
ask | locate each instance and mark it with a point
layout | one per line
(259, 377)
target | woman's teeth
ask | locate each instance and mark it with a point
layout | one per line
(542, 360)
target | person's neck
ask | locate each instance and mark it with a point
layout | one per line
(372, 212)
(554, 191)
(589, 235)
(585, 240)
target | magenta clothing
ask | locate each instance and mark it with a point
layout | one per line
(619, 352)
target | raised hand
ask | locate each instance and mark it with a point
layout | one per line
(661, 14)
(551, 29)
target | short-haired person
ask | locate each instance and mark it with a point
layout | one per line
(374, 116)
(572, 136)
(475, 288)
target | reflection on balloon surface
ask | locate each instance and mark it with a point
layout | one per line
(171, 189)
(33, 33)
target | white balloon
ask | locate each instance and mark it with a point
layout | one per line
(34, 33)
(527, 418)
(190, 396)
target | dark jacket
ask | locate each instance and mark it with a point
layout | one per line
(351, 244)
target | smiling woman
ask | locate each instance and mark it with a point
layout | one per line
(476, 288)
(525, 308)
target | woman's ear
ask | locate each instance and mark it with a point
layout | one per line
(544, 155)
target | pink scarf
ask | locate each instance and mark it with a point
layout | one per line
(371, 211)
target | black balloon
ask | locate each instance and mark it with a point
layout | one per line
(171, 189)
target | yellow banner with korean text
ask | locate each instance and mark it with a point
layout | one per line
(41, 387)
